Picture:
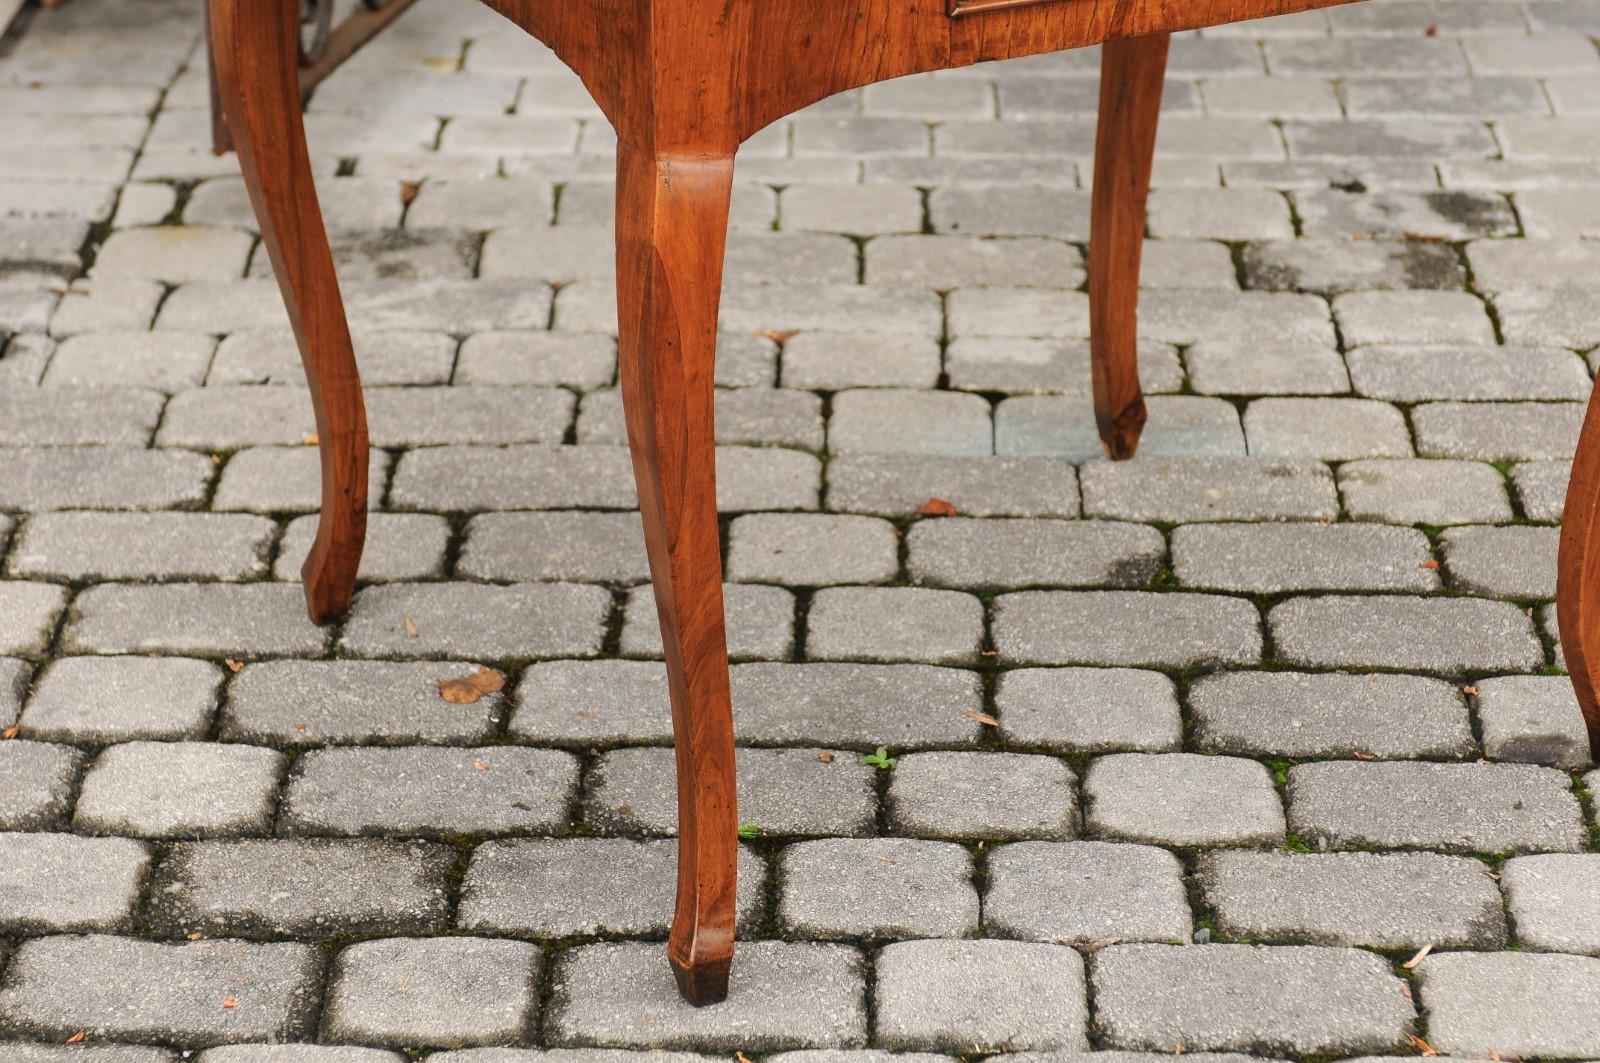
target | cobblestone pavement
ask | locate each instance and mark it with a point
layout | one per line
(1189, 753)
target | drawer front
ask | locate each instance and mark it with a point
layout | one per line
(957, 8)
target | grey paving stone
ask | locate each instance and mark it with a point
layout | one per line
(570, 545)
(895, 485)
(1021, 366)
(1329, 264)
(983, 795)
(57, 883)
(1450, 635)
(1181, 799)
(34, 1053)
(877, 888)
(862, 210)
(79, 417)
(760, 622)
(1028, 211)
(1548, 317)
(569, 887)
(1541, 488)
(179, 790)
(1238, 369)
(174, 253)
(1282, 1000)
(982, 554)
(1270, 318)
(1277, 558)
(131, 990)
(1412, 317)
(99, 700)
(28, 613)
(781, 792)
(39, 779)
(469, 479)
(47, 478)
(895, 421)
(1388, 215)
(164, 361)
(585, 703)
(476, 620)
(399, 547)
(1424, 492)
(1064, 427)
(1532, 1005)
(313, 703)
(1554, 900)
(14, 676)
(1412, 138)
(758, 416)
(139, 546)
(1235, 214)
(1376, 900)
(202, 619)
(298, 1053)
(780, 995)
(550, 359)
(106, 305)
(1125, 628)
(1298, 714)
(1080, 893)
(435, 992)
(1193, 489)
(805, 549)
(284, 480)
(1509, 265)
(387, 358)
(1093, 710)
(1484, 808)
(424, 791)
(1497, 432)
(1533, 720)
(945, 262)
(958, 996)
(1502, 562)
(861, 705)
(1416, 374)
(23, 358)
(886, 624)
(259, 888)
(1326, 429)
(832, 361)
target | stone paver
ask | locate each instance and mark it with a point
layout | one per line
(1277, 1001)
(1289, 677)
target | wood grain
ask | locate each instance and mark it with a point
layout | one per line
(1132, 73)
(1578, 574)
(255, 49)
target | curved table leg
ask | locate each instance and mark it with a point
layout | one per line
(672, 217)
(1578, 574)
(255, 47)
(1132, 73)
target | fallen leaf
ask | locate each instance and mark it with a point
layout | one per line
(408, 192)
(77, 1037)
(777, 335)
(410, 626)
(1365, 756)
(1098, 944)
(312, 440)
(469, 689)
(825, 757)
(479, 765)
(300, 726)
(937, 507)
(1431, 31)
(1425, 238)
(1421, 955)
(1405, 990)
(1494, 1054)
(10, 732)
(988, 653)
(1177, 1049)
(229, 1003)
(234, 666)
(1422, 1046)
(1470, 691)
(1431, 564)
(741, 1057)
(194, 935)
(981, 717)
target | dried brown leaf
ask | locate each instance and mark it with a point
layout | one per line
(1470, 691)
(410, 625)
(470, 689)
(78, 1037)
(1425, 238)
(312, 440)
(981, 717)
(1098, 944)
(1421, 955)
(408, 192)
(1422, 1046)
(1432, 564)
(937, 507)
(777, 335)
(230, 1003)
(825, 757)
(10, 732)
(479, 765)
(233, 665)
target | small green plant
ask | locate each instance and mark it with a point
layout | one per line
(879, 759)
(749, 830)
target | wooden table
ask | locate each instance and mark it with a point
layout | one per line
(684, 82)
